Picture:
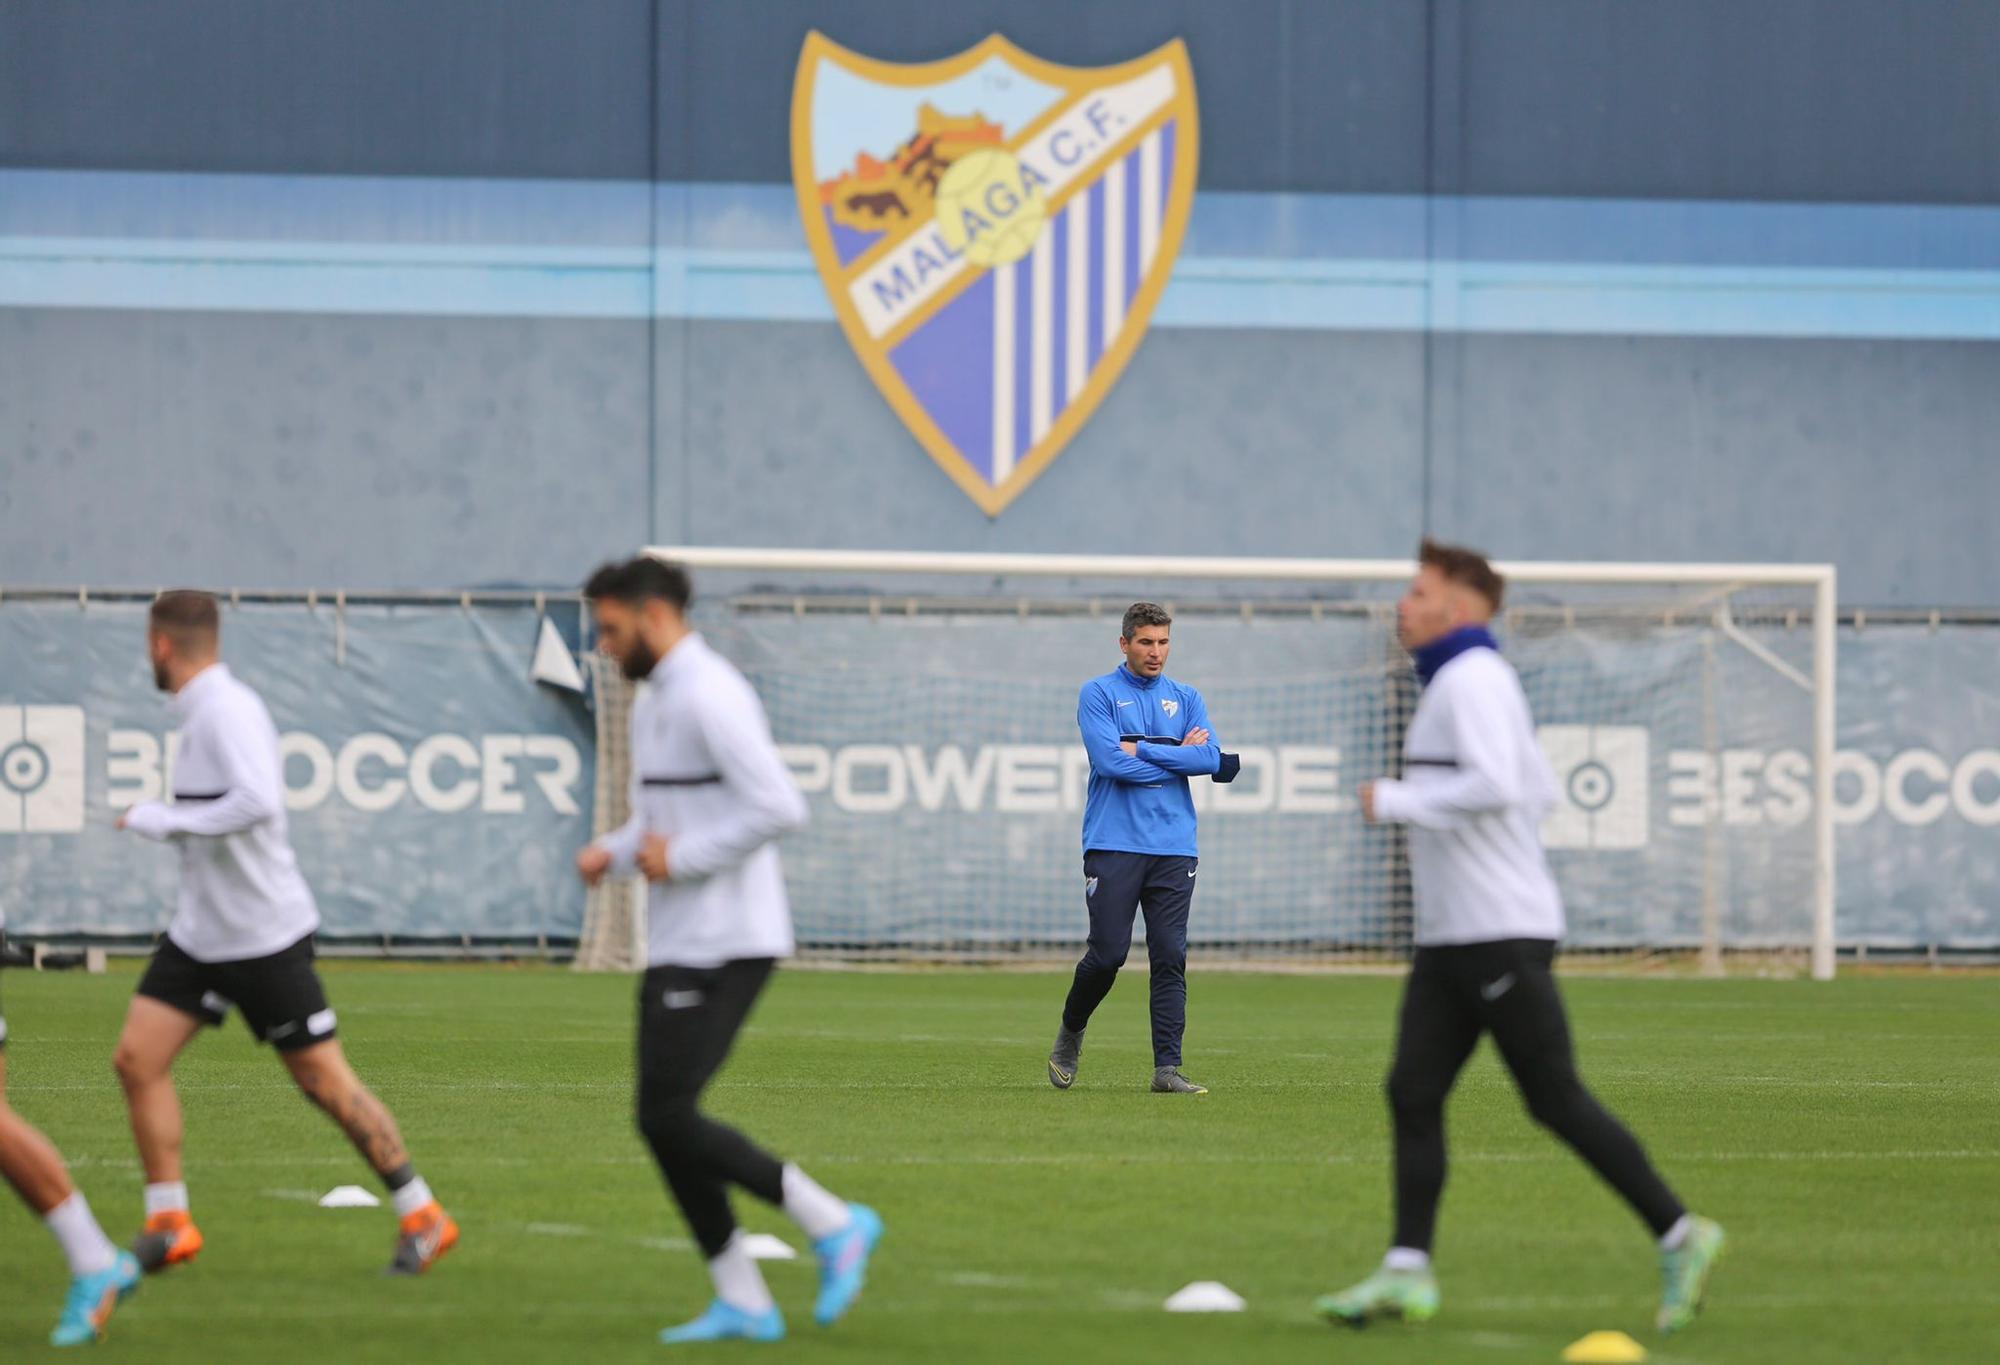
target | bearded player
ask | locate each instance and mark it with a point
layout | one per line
(242, 939)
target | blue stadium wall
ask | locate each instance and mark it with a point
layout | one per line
(381, 294)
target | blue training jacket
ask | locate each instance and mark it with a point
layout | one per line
(1142, 805)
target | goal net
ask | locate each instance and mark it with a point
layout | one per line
(614, 911)
(927, 706)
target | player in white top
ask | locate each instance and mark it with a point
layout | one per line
(242, 937)
(1488, 917)
(710, 797)
(100, 1274)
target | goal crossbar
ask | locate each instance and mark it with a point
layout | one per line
(1221, 566)
(1820, 579)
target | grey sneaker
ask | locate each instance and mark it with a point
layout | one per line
(1167, 1080)
(1062, 1058)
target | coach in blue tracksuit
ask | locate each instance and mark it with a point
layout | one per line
(1147, 735)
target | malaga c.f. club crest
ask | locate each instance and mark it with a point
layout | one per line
(995, 231)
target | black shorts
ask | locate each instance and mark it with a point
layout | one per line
(280, 995)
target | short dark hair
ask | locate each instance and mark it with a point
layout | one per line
(636, 581)
(187, 616)
(1143, 614)
(1467, 568)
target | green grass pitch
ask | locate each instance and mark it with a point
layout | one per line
(1846, 1134)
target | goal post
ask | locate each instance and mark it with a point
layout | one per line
(926, 700)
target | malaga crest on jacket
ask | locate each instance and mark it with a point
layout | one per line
(995, 231)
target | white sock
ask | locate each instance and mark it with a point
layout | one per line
(819, 1214)
(1672, 1238)
(83, 1241)
(411, 1197)
(171, 1197)
(738, 1281)
(1406, 1258)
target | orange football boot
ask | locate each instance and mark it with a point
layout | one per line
(424, 1238)
(168, 1239)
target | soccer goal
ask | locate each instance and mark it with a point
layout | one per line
(927, 702)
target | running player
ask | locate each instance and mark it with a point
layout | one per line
(100, 1274)
(710, 797)
(1475, 789)
(242, 938)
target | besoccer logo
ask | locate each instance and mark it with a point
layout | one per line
(1602, 770)
(41, 769)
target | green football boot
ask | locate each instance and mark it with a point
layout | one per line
(1411, 1295)
(1684, 1273)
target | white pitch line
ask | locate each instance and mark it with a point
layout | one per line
(573, 1230)
(204, 1312)
(1127, 1299)
(385, 1085)
(980, 1279)
(1493, 1341)
(1552, 1152)
(1542, 1303)
(290, 1196)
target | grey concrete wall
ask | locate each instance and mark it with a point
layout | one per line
(141, 447)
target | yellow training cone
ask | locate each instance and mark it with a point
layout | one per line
(1604, 1348)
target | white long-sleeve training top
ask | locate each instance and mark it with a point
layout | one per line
(706, 774)
(1476, 786)
(242, 894)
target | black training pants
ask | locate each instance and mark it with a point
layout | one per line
(1507, 988)
(1115, 887)
(688, 1020)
